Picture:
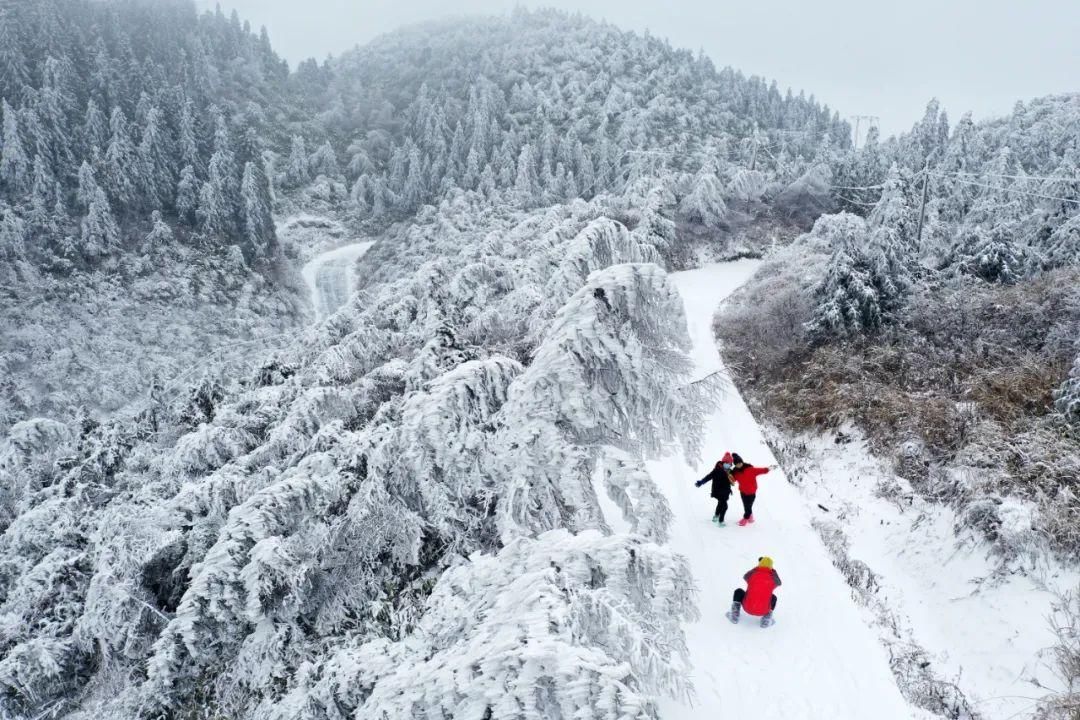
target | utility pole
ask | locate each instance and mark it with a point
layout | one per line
(871, 122)
(922, 206)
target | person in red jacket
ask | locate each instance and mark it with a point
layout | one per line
(758, 598)
(746, 476)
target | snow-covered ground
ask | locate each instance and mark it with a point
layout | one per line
(986, 631)
(331, 278)
(822, 659)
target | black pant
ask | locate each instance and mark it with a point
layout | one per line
(747, 504)
(740, 594)
(721, 508)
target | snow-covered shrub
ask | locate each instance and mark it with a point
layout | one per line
(990, 255)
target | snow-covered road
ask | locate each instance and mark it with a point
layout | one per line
(330, 278)
(821, 659)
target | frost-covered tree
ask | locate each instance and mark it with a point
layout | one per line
(642, 503)
(100, 233)
(12, 237)
(857, 296)
(14, 73)
(155, 158)
(894, 214)
(160, 236)
(216, 198)
(607, 360)
(1057, 233)
(297, 169)
(42, 197)
(188, 138)
(600, 244)
(259, 233)
(526, 184)
(704, 203)
(122, 172)
(95, 129)
(15, 165)
(322, 162)
(187, 195)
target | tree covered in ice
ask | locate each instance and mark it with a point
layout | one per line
(859, 292)
(255, 548)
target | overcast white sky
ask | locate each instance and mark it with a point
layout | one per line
(866, 57)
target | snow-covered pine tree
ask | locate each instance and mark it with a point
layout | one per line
(990, 254)
(297, 170)
(155, 154)
(322, 162)
(217, 211)
(122, 171)
(1057, 233)
(14, 73)
(160, 236)
(259, 232)
(12, 237)
(526, 184)
(857, 296)
(187, 195)
(42, 198)
(100, 233)
(894, 215)
(602, 243)
(15, 166)
(95, 129)
(188, 138)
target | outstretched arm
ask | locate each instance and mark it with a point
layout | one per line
(707, 478)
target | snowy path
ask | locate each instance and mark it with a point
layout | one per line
(820, 660)
(329, 276)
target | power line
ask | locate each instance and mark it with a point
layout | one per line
(1010, 177)
(1009, 189)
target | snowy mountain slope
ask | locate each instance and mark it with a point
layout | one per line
(820, 660)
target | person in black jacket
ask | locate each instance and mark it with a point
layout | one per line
(721, 487)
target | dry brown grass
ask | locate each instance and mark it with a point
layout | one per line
(968, 375)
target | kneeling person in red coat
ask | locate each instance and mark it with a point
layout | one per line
(758, 598)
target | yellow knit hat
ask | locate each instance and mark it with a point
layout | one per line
(765, 562)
